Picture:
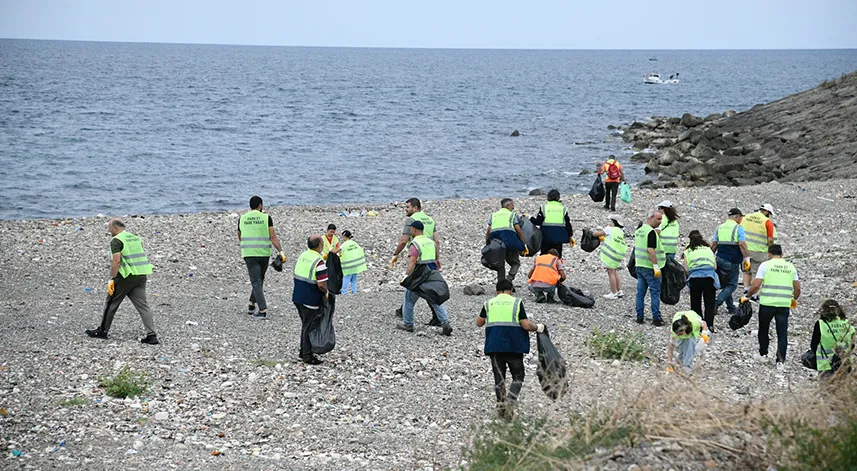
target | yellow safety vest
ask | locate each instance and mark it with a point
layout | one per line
(133, 259)
(255, 235)
(353, 258)
(699, 257)
(669, 235)
(641, 251)
(554, 213)
(305, 266)
(778, 284)
(757, 234)
(613, 249)
(426, 250)
(503, 220)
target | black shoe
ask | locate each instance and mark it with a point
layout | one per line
(405, 327)
(640, 320)
(658, 322)
(541, 297)
(151, 339)
(262, 316)
(399, 312)
(711, 329)
(251, 309)
(551, 299)
(96, 333)
(447, 329)
(434, 322)
(312, 360)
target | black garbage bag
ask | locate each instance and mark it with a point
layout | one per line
(574, 297)
(276, 263)
(722, 276)
(494, 254)
(588, 242)
(742, 317)
(427, 284)
(552, 367)
(597, 192)
(673, 280)
(532, 236)
(632, 266)
(334, 273)
(321, 334)
(808, 360)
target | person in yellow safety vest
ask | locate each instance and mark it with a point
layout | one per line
(730, 246)
(547, 272)
(613, 249)
(506, 343)
(650, 259)
(778, 286)
(833, 339)
(701, 266)
(422, 251)
(414, 212)
(555, 224)
(129, 267)
(256, 234)
(505, 225)
(310, 293)
(353, 262)
(330, 241)
(761, 234)
(686, 330)
(668, 231)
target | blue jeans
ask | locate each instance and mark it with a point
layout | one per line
(646, 281)
(349, 280)
(686, 351)
(733, 269)
(408, 309)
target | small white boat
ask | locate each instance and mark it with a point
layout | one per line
(656, 79)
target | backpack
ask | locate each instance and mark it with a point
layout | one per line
(612, 170)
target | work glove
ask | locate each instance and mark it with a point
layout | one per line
(282, 257)
(540, 328)
(743, 300)
(657, 272)
(746, 265)
(706, 335)
(571, 242)
(670, 369)
(526, 251)
(324, 256)
(601, 238)
(794, 303)
(394, 260)
(111, 287)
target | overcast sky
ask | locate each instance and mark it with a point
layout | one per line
(569, 24)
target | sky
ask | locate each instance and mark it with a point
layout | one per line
(498, 24)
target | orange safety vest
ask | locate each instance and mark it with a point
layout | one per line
(547, 269)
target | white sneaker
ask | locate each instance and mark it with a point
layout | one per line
(611, 296)
(781, 366)
(620, 294)
(760, 358)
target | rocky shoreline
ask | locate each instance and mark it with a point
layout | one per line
(808, 136)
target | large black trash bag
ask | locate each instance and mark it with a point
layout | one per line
(597, 192)
(722, 276)
(427, 284)
(588, 242)
(673, 280)
(632, 266)
(532, 236)
(334, 273)
(552, 367)
(321, 334)
(742, 317)
(574, 297)
(494, 254)
(809, 360)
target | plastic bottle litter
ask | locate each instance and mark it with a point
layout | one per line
(17, 453)
(87, 290)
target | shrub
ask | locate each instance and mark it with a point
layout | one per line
(125, 384)
(75, 401)
(617, 346)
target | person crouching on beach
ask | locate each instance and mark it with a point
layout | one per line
(613, 249)
(353, 262)
(687, 327)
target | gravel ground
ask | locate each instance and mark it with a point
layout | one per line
(228, 392)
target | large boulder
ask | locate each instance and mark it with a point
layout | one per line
(641, 157)
(662, 142)
(690, 121)
(752, 147)
(684, 147)
(695, 136)
(720, 143)
(732, 151)
(700, 172)
(703, 153)
(711, 133)
(668, 157)
(651, 167)
(713, 117)
(724, 164)
(729, 113)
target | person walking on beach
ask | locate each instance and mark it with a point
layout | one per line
(310, 293)
(760, 235)
(554, 223)
(422, 251)
(701, 265)
(547, 272)
(612, 254)
(778, 286)
(685, 331)
(615, 175)
(668, 231)
(129, 267)
(256, 234)
(730, 246)
(833, 339)
(331, 242)
(353, 262)
(506, 341)
(414, 212)
(650, 259)
(505, 225)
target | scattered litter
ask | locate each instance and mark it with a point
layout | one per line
(192, 323)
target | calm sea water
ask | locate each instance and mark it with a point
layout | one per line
(118, 128)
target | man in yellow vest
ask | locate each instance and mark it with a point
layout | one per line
(256, 234)
(331, 242)
(414, 212)
(778, 286)
(129, 267)
(730, 245)
(555, 224)
(650, 259)
(547, 272)
(309, 293)
(759, 229)
(506, 342)
(422, 251)
(505, 225)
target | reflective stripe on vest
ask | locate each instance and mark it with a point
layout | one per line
(352, 257)
(426, 250)
(255, 235)
(837, 333)
(669, 235)
(502, 311)
(546, 269)
(428, 223)
(757, 234)
(613, 249)
(133, 259)
(778, 284)
(727, 233)
(641, 252)
(329, 245)
(306, 265)
(503, 220)
(554, 213)
(699, 257)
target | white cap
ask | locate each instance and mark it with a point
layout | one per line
(767, 208)
(666, 204)
(617, 218)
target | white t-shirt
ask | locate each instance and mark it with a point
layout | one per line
(760, 274)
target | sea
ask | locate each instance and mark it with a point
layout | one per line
(134, 128)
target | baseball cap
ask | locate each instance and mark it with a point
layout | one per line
(735, 212)
(417, 225)
(616, 217)
(767, 208)
(666, 204)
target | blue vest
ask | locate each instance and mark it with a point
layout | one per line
(506, 336)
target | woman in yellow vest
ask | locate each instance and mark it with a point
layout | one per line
(686, 330)
(353, 261)
(701, 266)
(668, 230)
(833, 339)
(612, 254)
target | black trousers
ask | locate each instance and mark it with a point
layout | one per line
(546, 247)
(611, 188)
(308, 316)
(134, 287)
(702, 291)
(256, 267)
(515, 363)
(781, 316)
(513, 258)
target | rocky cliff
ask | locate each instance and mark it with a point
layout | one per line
(811, 135)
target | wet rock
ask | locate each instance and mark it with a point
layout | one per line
(515, 133)
(690, 121)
